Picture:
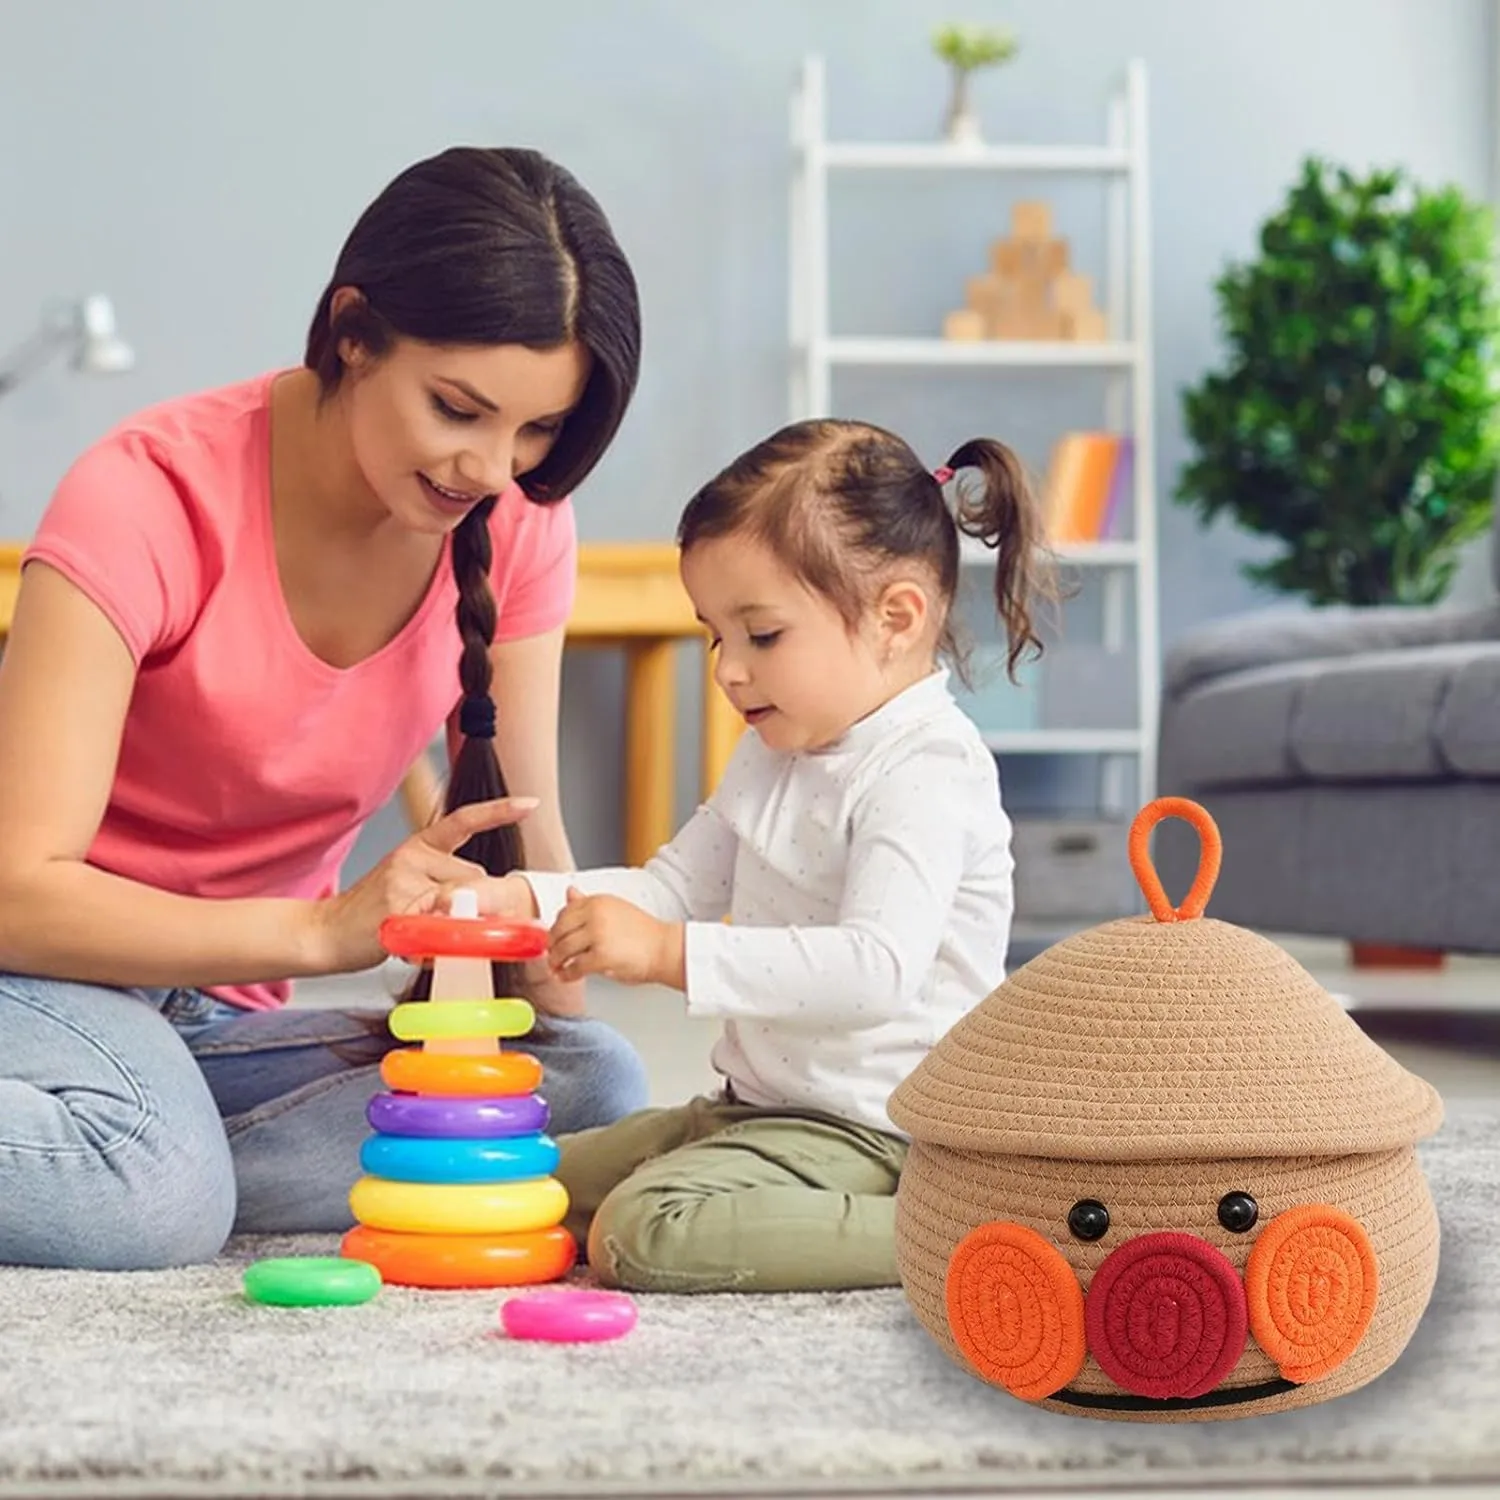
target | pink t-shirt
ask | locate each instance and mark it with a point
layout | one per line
(247, 763)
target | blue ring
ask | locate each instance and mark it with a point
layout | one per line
(404, 1158)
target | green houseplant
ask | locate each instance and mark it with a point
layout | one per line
(966, 49)
(1357, 416)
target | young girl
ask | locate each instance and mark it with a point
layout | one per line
(857, 844)
(243, 616)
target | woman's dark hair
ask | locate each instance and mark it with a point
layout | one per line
(481, 247)
(841, 503)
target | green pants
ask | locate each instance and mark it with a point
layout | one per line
(718, 1197)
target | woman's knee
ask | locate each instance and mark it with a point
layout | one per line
(593, 1074)
(138, 1202)
(166, 1204)
(111, 1150)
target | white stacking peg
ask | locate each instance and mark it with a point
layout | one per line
(455, 978)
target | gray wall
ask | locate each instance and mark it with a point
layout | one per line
(202, 163)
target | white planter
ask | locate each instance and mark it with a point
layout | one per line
(963, 129)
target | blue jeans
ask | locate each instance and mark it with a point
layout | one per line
(139, 1127)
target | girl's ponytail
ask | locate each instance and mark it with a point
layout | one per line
(1004, 515)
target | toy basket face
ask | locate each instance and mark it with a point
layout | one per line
(1159, 1175)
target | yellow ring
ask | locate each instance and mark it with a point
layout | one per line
(424, 1020)
(459, 1208)
(414, 1070)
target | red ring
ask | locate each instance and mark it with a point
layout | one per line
(434, 936)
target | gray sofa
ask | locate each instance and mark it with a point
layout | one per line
(1351, 759)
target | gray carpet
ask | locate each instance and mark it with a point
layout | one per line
(170, 1384)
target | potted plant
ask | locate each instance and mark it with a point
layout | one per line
(966, 49)
(1355, 416)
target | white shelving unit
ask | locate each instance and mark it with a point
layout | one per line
(1128, 567)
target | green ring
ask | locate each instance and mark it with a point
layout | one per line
(311, 1281)
(425, 1020)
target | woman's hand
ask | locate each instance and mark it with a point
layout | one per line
(605, 935)
(508, 897)
(344, 930)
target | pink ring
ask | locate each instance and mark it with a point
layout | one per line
(568, 1315)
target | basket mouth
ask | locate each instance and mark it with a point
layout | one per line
(1144, 1040)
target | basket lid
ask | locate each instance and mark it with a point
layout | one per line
(1160, 1037)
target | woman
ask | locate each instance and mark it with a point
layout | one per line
(236, 629)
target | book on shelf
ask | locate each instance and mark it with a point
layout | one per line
(1087, 491)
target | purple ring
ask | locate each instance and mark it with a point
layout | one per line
(445, 1115)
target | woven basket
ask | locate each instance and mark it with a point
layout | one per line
(1159, 1175)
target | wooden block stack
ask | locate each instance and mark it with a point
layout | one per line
(1029, 291)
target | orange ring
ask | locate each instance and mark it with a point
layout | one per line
(1210, 854)
(414, 1070)
(1311, 1284)
(1015, 1309)
(464, 1260)
(436, 936)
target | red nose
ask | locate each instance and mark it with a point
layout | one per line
(1165, 1316)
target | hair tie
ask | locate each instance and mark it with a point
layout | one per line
(942, 473)
(476, 717)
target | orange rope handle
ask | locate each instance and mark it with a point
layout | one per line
(1209, 858)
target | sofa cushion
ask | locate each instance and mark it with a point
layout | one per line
(1421, 714)
(1283, 635)
(1470, 726)
(1236, 730)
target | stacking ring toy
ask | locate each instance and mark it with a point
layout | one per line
(464, 1260)
(414, 1070)
(459, 1208)
(411, 1114)
(404, 1158)
(423, 1020)
(462, 937)
(577, 1315)
(311, 1281)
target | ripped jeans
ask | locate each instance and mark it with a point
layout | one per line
(139, 1127)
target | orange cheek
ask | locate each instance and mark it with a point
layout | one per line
(1311, 1283)
(1016, 1310)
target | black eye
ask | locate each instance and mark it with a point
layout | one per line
(1088, 1219)
(451, 413)
(1238, 1212)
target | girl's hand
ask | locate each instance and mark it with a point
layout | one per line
(344, 930)
(605, 935)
